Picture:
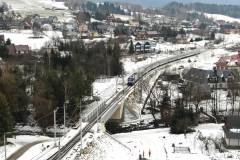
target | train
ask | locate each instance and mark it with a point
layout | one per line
(132, 79)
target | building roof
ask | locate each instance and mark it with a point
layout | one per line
(229, 60)
(22, 47)
(201, 76)
(232, 122)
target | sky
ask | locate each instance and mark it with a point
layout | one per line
(159, 3)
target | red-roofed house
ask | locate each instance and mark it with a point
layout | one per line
(228, 62)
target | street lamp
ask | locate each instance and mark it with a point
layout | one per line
(64, 114)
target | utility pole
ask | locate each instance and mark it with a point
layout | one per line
(55, 126)
(5, 147)
(64, 117)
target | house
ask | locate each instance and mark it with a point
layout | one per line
(144, 47)
(141, 35)
(181, 39)
(83, 28)
(85, 35)
(215, 79)
(219, 79)
(147, 47)
(18, 49)
(134, 23)
(47, 27)
(102, 28)
(232, 131)
(152, 34)
(138, 47)
(170, 76)
(22, 49)
(229, 62)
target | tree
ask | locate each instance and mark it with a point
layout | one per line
(165, 109)
(212, 36)
(116, 65)
(181, 120)
(48, 95)
(131, 47)
(3, 51)
(203, 26)
(8, 41)
(13, 87)
(6, 121)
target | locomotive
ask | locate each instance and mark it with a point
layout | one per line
(132, 79)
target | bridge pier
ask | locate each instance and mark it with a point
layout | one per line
(118, 115)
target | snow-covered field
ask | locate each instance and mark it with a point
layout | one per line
(41, 7)
(25, 37)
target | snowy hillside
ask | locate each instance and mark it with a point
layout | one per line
(217, 17)
(41, 7)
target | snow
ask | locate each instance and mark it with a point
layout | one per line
(131, 66)
(54, 4)
(235, 130)
(44, 150)
(105, 88)
(42, 7)
(164, 47)
(159, 142)
(18, 142)
(25, 37)
(92, 20)
(123, 17)
(217, 17)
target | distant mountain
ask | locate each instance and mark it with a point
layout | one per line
(160, 3)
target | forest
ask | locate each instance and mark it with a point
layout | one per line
(60, 76)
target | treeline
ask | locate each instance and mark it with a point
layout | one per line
(176, 9)
(229, 10)
(98, 11)
(181, 12)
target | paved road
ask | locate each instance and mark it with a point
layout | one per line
(23, 149)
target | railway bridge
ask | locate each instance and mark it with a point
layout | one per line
(113, 107)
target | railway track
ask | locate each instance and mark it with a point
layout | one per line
(110, 105)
